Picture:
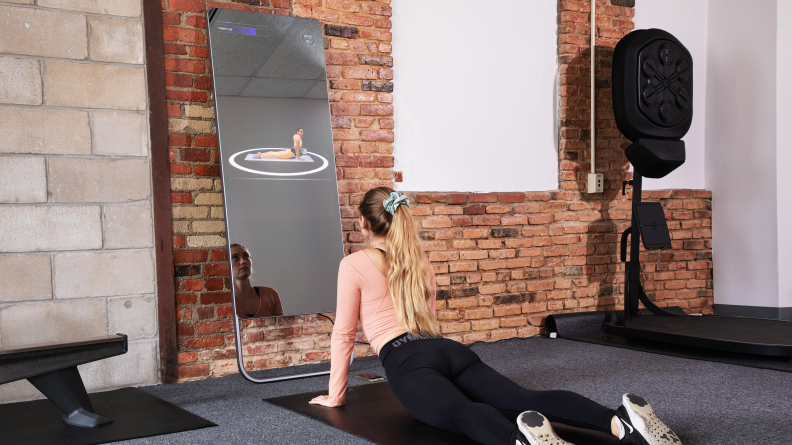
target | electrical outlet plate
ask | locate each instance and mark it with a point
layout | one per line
(595, 183)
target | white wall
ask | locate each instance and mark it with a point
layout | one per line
(736, 145)
(784, 153)
(476, 88)
(741, 150)
(690, 27)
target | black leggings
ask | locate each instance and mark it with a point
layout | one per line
(446, 385)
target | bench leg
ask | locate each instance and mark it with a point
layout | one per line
(65, 389)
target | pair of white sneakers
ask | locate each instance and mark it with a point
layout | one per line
(639, 424)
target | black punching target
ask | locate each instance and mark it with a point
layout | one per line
(653, 99)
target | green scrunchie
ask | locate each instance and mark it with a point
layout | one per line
(394, 200)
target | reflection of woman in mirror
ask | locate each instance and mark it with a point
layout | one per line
(390, 288)
(252, 302)
(287, 154)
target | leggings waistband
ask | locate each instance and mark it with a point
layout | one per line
(401, 340)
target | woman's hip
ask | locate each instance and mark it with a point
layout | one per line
(407, 353)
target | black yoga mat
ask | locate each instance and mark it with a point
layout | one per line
(135, 414)
(372, 412)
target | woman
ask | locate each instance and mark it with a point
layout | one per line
(252, 302)
(390, 288)
(290, 153)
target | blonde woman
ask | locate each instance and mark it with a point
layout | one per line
(390, 288)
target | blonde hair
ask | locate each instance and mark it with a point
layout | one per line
(408, 275)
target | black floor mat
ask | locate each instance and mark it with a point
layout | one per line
(135, 414)
(374, 413)
(587, 327)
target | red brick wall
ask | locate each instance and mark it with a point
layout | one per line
(503, 260)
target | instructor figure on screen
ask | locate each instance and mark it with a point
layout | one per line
(297, 143)
(288, 154)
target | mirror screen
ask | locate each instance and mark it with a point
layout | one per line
(278, 166)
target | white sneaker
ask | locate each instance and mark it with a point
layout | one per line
(641, 425)
(537, 430)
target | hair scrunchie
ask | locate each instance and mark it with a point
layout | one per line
(394, 200)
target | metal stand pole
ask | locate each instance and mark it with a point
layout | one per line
(632, 289)
(66, 390)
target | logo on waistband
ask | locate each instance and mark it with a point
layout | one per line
(409, 337)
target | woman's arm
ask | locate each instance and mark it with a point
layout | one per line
(344, 330)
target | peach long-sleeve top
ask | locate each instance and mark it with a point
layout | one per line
(362, 294)
(269, 304)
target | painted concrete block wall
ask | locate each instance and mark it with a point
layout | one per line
(76, 225)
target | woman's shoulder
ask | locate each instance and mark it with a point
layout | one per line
(357, 263)
(265, 289)
(355, 259)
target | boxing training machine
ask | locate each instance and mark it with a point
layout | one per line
(652, 104)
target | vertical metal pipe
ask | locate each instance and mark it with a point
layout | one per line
(593, 74)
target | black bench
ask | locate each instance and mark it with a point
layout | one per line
(52, 369)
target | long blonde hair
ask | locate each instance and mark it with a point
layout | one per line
(408, 275)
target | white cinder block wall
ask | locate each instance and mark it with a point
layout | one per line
(76, 221)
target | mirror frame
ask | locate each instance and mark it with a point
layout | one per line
(237, 326)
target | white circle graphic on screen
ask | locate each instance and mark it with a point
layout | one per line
(232, 161)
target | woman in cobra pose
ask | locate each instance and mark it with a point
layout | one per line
(390, 288)
(287, 154)
(252, 302)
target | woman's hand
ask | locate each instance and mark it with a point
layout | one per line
(325, 401)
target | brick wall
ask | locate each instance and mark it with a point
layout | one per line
(76, 235)
(503, 260)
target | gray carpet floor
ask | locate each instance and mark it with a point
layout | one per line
(703, 402)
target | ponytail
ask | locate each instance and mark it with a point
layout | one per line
(408, 276)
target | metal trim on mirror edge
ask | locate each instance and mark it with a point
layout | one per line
(237, 330)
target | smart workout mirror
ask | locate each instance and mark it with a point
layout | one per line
(276, 152)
